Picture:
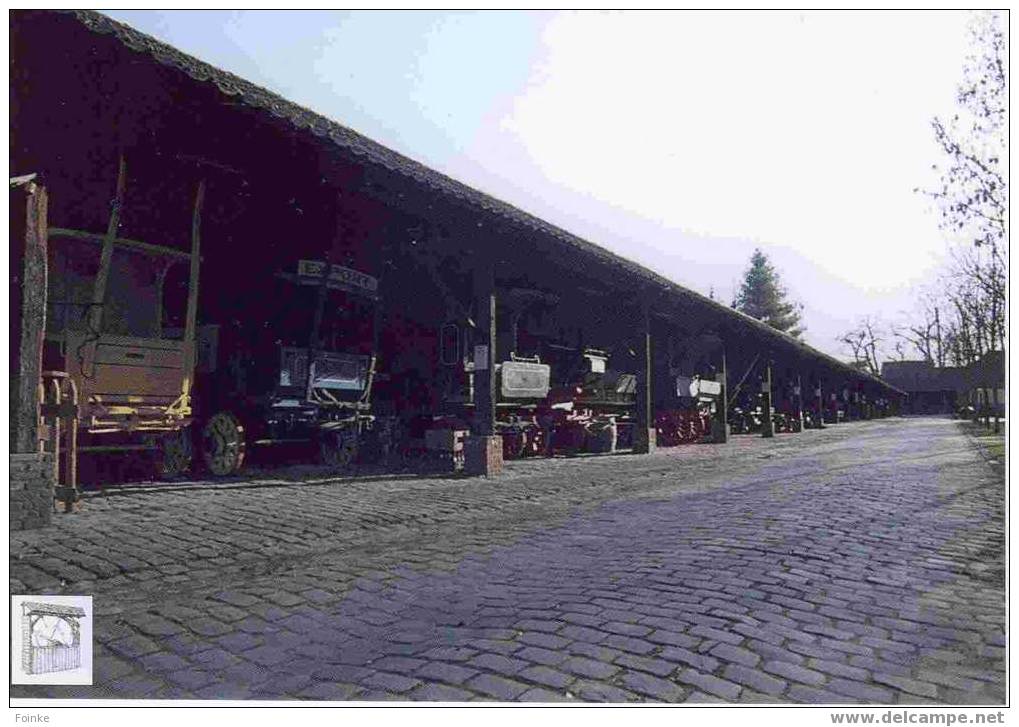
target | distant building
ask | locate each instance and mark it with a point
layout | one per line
(943, 390)
(931, 390)
(986, 381)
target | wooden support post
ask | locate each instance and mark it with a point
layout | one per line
(819, 393)
(33, 274)
(767, 423)
(484, 352)
(59, 410)
(95, 316)
(321, 297)
(644, 439)
(720, 425)
(192, 310)
(160, 288)
(483, 455)
(68, 489)
(53, 394)
(799, 402)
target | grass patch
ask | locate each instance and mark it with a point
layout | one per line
(992, 445)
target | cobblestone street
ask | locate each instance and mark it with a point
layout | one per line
(863, 563)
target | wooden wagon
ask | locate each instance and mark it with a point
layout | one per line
(107, 334)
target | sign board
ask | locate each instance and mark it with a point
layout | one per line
(481, 357)
(596, 362)
(709, 388)
(685, 386)
(310, 273)
(524, 380)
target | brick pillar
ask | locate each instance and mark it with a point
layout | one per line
(32, 481)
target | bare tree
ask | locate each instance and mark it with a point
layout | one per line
(981, 277)
(974, 187)
(863, 342)
(967, 318)
(922, 332)
(900, 348)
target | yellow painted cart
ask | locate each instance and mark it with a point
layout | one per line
(106, 329)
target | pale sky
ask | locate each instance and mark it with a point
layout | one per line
(681, 140)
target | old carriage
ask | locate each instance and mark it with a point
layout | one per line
(121, 329)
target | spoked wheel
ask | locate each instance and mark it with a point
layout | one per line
(174, 453)
(338, 449)
(223, 444)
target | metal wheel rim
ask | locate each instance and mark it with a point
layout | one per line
(175, 453)
(223, 437)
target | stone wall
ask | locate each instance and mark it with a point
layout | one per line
(31, 490)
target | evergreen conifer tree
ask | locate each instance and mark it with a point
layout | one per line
(763, 297)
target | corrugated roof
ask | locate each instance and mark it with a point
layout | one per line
(364, 148)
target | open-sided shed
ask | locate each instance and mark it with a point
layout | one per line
(284, 184)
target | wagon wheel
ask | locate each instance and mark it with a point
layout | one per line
(338, 449)
(223, 444)
(174, 452)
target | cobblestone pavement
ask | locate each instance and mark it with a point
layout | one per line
(863, 563)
